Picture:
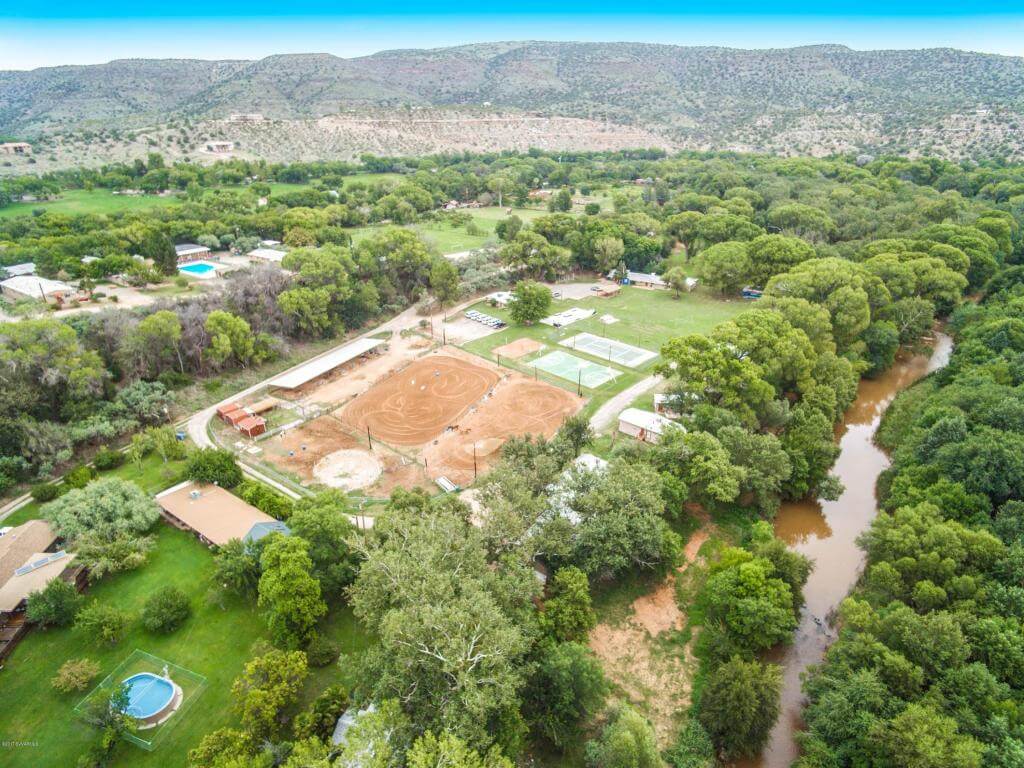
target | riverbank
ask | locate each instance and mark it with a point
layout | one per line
(827, 532)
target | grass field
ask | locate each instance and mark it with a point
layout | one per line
(448, 239)
(83, 201)
(215, 642)
(647, 319)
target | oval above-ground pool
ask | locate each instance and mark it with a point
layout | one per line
(149, 696)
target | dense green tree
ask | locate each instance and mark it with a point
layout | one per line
(107, 507)
(627, 742)
(724, 266)
(288, 592)
(530, 302)
(54, 605)
(568, 614)
(269, 684)
(739, 706)
(323, 523)
(564, 692)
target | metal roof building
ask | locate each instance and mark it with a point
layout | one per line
(327, 362)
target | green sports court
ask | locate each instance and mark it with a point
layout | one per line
(575, 369)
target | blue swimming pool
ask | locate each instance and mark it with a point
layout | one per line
(199, 268)
(148, 695)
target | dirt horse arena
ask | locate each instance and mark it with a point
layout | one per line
(420, 401)
(424, 421)
(519, 406)
(322, 452)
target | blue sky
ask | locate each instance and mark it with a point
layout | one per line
(74, 31)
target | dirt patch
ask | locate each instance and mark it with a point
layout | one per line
(350, 468)
(399, 472)
(420, 401)
(659, 682)
(518, 348)
(518, 406)
(300, 449)
(655, 678)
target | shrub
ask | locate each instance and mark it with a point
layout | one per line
(174, 379)
(104, 554)
(75, 675)
(54, 605)
(79, 476)
(106, 507)
(107, 458)
(44, 492)
(266, 500)
(166, 610)
(319, 720)
(103, 623)
(181, 281)
(693, 748)
(212, 465)
(592, 209)
(320, 652)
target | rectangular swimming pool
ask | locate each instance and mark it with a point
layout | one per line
(199, 269)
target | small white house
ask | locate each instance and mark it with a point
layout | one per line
(269, 243)
(641, 279)
(644, 425)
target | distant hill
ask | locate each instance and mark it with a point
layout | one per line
(810, 99)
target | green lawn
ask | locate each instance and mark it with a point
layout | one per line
(448, 239)
(83, 201)
(646, 319)
(152, 475)
(215, 642)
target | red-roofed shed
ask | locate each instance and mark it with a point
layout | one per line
(252, 426)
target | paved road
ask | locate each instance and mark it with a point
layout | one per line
(606, 414)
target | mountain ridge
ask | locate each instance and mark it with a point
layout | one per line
(710, 96)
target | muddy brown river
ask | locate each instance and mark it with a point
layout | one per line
(827, 531)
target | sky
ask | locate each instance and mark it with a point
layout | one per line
(55, 32)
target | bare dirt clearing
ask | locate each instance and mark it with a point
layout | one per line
(420, 401)
(519, 406)
(519, 348)
(638, 656)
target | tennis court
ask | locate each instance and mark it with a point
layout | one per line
(574, 369)
(610, 349)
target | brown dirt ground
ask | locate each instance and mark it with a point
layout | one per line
(518, 348)
(659, 682)
(321, 437)
(420, 401)
(358, 376)
(519, 406)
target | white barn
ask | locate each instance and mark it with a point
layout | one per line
(644, 425)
